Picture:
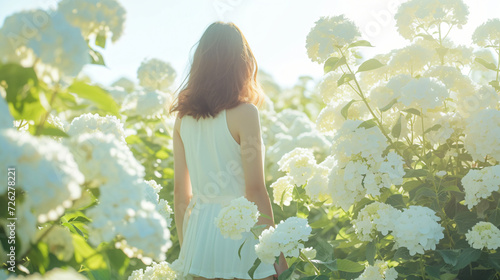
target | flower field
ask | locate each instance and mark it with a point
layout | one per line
(387, 168)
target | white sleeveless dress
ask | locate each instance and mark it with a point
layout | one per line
(213, 159)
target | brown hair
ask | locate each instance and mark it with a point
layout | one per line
(223, 74)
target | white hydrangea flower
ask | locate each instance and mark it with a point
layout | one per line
(484, 235)
(330, 118)
(102, 158)
(55, 178)
(392, 165)
(329, 33)
(317, 186)
(417, 229)
(440, 126)
(282, 190)
(125, 84)
(346, 187)
(351, 140)
(6, 119)
(118, 93)
(487, 33)
(51, 38)
(480, 184)
(415, 15)
(298, 164)
(147, 104)
(379, 271)
(155, 74)
(410, 60)
(423, 93)
(124, 210)
(157, 271)
(474, 99)
(329, 91)
(90, 123)
(237, 217)
(376, 216)
(166, 211)
(482, 134)
(286, 237)
(95, 17)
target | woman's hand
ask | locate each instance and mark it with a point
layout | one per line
(282, 266)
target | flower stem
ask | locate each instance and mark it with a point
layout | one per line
(306, 259)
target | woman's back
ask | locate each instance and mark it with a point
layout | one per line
(213, 158)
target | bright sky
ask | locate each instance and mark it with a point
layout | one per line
(276, 31)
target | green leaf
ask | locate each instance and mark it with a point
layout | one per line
(256, 264)
(396, 129)
(100, 97)
(53, 131)
(467, 256)
(402, 253)
(370, 253)
(96, 57)
(83, 251)
(370, 64)
(345, 110)
(465, 221)
(360, 43)
(16, 79)
(433, 271)
(435, 127)
(494, 260)
(425, 36)
(495, 84)
(265, 216)
(412, 111)
(349, 266)
(449, 256)
(389, 106)
(241, 247)
(100, 39)
(287, 273)
(346, 77)
(332, 63)
(331, 264)
(396, 200)
(316, 277)
(412, 173)
(486, 64)
(368, 124)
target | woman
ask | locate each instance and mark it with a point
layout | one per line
(218, 156)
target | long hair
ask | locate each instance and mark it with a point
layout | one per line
(223, 74)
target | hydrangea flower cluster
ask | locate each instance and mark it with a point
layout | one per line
(328, 34)
(480, 184)
(54, 39)
(317, 186)
(157, 271)
(90, 123)
(283, 190)
(237, 217)
(484, 235)
(423, 93)
(374, 217)
(51, 165)
(95, 17)
(482, 134)
(148, 104)
(487, 33)
(285, 238)
(152, 189)
(417, 229)
(379, 271)
(102, 158)
(415, 15)
(155, 74)
(299, 164)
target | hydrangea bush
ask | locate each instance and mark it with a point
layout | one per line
(388, 168)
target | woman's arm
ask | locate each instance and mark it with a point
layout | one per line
(252, 161)
(253, 168)
(182, 183)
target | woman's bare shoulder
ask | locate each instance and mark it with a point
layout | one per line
(244, 112)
